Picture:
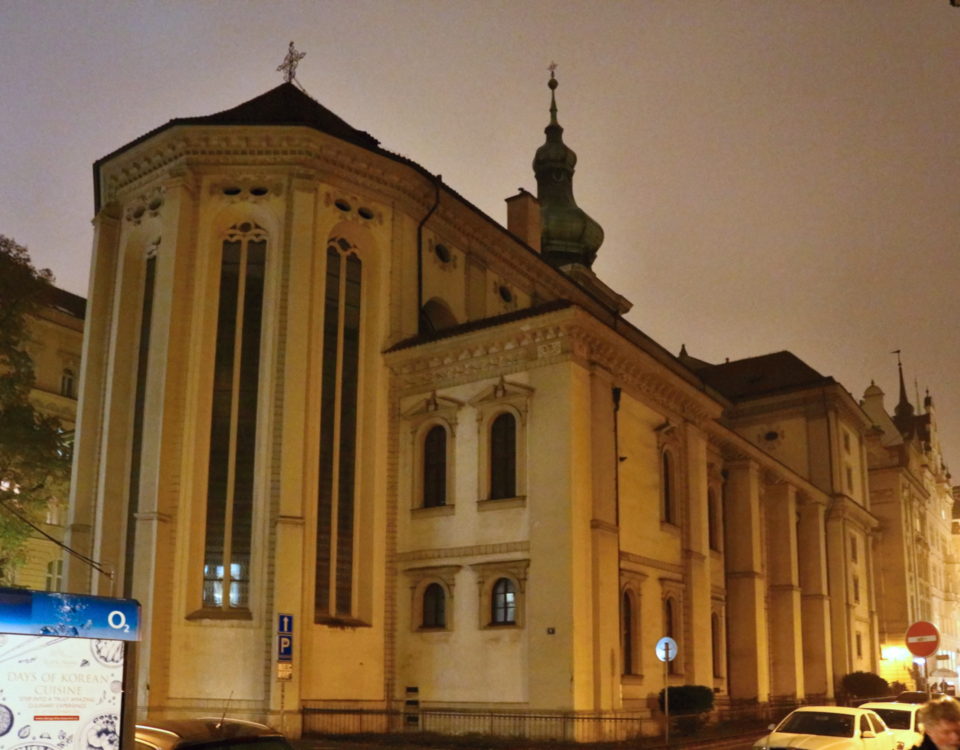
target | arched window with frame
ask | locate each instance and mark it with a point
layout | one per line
(67, 387)
(503, 456)
(435, 467)
(666, 487)
(503, 602)
(434, 610)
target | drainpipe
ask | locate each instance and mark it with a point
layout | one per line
(436, 202)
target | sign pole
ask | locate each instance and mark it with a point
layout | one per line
(666, 697)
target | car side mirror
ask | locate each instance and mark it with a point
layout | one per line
(868, 735)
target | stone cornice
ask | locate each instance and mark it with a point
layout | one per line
(571, 334)
(269, 150)
(843, 508)
(446, 553)
(649, 562)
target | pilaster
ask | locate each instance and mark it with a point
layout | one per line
(815, 601)
(78, 577)
(785, 611)
(747, 639)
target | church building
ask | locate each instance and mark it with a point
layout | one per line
(324, 395)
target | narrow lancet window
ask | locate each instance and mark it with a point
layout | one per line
(336, 501)
(233, 424)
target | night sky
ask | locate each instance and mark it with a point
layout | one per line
(770, 174)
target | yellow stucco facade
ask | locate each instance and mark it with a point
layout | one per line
(55, 340)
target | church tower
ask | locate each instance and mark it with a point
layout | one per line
(569, 235)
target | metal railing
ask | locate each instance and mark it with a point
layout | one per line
(537, 725)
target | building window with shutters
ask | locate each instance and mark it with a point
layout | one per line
(233, 420)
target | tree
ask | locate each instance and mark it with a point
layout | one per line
(34, 455)
(864, 685)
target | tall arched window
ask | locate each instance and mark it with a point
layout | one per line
(340, 377)
(713, 520)
(435, 467)
(628, 630)
(434, 613)
(716, 644)
(503, 456)
(503, 602)
(669, 624)
(233, 421)
(666, 485)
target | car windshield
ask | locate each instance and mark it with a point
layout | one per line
(895, 719)
(818, 722)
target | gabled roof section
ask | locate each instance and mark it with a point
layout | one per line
(761, 376)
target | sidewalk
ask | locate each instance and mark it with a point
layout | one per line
(713, 738)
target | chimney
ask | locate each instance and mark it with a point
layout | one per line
(523, 218)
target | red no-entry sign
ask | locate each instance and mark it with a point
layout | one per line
(923, 638)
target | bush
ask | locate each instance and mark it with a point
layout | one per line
(689, 703)
(862, 685)
(689, 699)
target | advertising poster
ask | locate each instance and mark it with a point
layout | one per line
(61, 670)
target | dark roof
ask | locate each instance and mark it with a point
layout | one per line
(477, 325)
(68, 302)
(761, 376)
(286, 105)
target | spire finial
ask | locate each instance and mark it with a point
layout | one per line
(903, 409)
(552, 85)
(289, 65)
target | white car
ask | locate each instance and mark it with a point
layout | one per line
(901, 719)
(829, 728)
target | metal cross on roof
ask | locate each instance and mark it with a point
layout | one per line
(290, 62)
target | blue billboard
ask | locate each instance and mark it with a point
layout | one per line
(68, 615)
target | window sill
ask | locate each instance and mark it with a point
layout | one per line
(435, 510)
(502, 503)
(670, 527)
(340, 622)
(216, 613)
(423, 629)
(631, 679)
(502, 626)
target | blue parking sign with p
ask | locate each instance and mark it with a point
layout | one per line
(284, 637)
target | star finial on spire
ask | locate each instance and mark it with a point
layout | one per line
(289, 65)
